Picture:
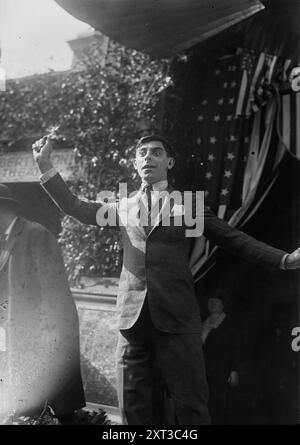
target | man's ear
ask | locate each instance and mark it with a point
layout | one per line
(171, 163)
(134, 163)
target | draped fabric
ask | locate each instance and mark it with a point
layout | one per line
(161, 28)
(222, 137)
(246, 121)
(273, 31)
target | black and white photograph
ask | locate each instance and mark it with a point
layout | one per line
(149, 215)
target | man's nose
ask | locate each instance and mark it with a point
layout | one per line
(148, 155)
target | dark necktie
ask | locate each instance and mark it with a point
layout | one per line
(147, 189)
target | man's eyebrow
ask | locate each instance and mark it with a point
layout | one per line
(151, 148)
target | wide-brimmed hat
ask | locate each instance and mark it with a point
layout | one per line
(6, 196)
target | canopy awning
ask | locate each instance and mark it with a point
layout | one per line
(161, 28)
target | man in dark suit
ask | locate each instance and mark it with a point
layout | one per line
(39, 329)
(159, 319)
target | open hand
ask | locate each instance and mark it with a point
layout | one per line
(233, 379)
(292, 261)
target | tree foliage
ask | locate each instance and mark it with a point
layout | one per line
(101, 111)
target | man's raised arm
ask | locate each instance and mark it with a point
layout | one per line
(58, 190)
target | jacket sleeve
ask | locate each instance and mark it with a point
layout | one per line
(83, 211)
(239, 243)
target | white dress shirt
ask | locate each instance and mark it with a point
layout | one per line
(158, 189)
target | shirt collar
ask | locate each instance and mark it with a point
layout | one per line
(10, 227)
(159, 186)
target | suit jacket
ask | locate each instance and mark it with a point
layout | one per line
(43, 328)
(158, 264)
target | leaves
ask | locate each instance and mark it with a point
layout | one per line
(101, 111)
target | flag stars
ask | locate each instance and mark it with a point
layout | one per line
(217, 72)
(204, 102)
(230, 156)
(221, 101)
(206, 193)
(225, 85)
(246, 140)
(212, 140)
(231, 101)
(233, 138)
(199, 140)
(217, 118)
(224, 192)
(229, 117)
(211, 157)
(209, 175)
(233, 84)
(228, 174)
(200, 118)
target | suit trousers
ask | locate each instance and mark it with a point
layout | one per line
(146, 357)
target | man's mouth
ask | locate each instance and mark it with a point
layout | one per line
(148, 167)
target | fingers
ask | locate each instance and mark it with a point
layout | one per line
(293, 260)
(38, 145)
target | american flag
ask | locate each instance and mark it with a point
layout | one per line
(233, 120)
(240, 86)
(222, 137)
(264, 77)
(290, 122)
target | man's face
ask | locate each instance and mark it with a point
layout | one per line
(215, 305)
(152, 162)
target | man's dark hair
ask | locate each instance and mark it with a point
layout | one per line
(155, 137)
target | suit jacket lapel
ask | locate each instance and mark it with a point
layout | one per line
(129, 209)
(128, 212)
(165, 210)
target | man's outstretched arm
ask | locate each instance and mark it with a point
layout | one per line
(247, 247)
(58, 190)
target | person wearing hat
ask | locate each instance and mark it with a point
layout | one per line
(220, 346)
(39, 334)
